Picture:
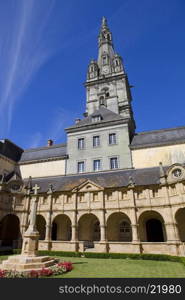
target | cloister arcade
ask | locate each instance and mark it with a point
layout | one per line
(151, 228)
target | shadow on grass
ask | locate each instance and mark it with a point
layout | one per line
(80, 263)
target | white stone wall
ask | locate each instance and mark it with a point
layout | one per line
(104, 152)
(150, 157)
(43, 169)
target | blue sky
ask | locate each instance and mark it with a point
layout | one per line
(45, 48)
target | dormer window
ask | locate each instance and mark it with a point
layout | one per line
(96, 118)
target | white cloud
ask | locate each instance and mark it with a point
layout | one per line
(61, 119)
(35, 140)
(23, 50)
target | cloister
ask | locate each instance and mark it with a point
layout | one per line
(118, 230)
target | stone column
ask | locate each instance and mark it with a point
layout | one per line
(170, 224)
(103, 233)
(74, 237)
(25, 221)
(103, 227)
(31, 236)
(74, 226)
(135, 235)
(48, 237)
(102, 217)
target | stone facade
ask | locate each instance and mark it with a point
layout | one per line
(134, 203)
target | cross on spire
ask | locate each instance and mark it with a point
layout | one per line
(104, 22)
(35, 189)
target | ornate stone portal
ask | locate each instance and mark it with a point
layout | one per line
(29, 260)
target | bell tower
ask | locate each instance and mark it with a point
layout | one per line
(107, 83)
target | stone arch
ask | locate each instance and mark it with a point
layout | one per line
(119, 228)
(10, 230)
(151, 227)
(180, 219)
(61, 228)
(88, 228)
(41, 226)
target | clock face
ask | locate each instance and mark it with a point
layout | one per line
(105, 70)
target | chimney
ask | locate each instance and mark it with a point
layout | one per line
(77, 121)
(50, 143)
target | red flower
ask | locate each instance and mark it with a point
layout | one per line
(2, 273)
(34, 274)
(45, 272)
(66, 265)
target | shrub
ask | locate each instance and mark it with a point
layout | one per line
(66, 265)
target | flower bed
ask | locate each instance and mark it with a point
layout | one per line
(58, 269)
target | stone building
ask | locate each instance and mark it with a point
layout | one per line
(108, 189)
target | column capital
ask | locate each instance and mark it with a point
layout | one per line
(134, 225)
(74, 226)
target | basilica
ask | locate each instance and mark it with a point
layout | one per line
(108, 188)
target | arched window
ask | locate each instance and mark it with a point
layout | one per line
(125, 231)
(108, 36)
(102, 100)
(105, 59)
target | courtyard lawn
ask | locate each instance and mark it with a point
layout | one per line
(111, 268)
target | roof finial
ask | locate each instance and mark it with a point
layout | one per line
(161, 169)
(104, 22)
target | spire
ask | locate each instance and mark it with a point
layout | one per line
(104, 23)
(105, 35)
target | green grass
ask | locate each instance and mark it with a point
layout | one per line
(112, 268)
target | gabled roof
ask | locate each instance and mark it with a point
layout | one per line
(106, 116)
(12, 176)
(109, 179)
(158, 138)
(10, 150)
(44, 153)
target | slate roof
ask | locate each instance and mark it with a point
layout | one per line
(10, 150)
(120, 178)
(158, 138)
(14, 175)
(106, 116)
(42, 153)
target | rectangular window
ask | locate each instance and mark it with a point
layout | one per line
(81, 166)
(96, 118)
(96, 141)
(81, 143)
(113, 162)
(112, 138)
(96, 165)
